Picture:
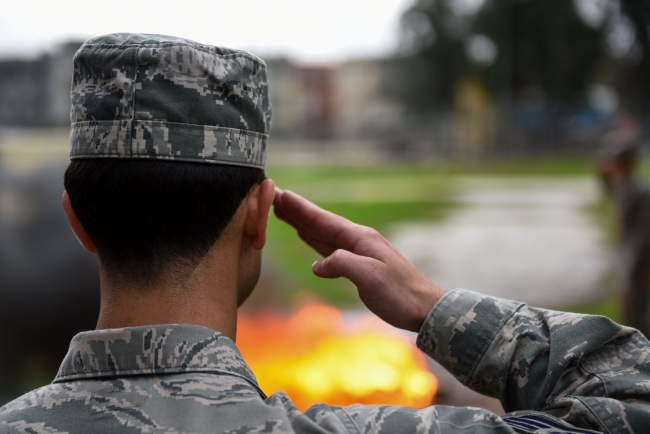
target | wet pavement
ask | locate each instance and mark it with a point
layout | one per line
(527, 239)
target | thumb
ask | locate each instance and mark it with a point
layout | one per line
(342, 263)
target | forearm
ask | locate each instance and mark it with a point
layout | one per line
(532, 358)
(585, 370)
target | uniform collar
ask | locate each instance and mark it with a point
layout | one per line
(152, 350)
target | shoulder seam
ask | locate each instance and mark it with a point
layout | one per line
(340, 411)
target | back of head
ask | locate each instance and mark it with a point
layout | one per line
(167, 138)
(149, 219)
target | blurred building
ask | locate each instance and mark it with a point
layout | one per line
(36, 92)
(367, 98)
(361, 101)
(355, 99)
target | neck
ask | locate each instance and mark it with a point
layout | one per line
(207, 298)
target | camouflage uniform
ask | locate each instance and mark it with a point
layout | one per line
(167, 98)
(159, 97)
(552, 371)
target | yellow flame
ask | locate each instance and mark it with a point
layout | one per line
(315, 357)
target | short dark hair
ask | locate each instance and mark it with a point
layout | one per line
(150, 219)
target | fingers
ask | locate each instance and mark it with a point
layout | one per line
(388, 284)
(304, 231)
(314, 221)
(325, 249)
(360, 270)
(278, 194)
(325, 231)
(282, 213)
(291, 203)
(290, 219)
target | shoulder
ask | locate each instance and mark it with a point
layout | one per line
(383, 418)
(28, 412)
(28, 400)
(148, 403)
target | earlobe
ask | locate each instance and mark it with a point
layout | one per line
(75, 224)
(264, 198)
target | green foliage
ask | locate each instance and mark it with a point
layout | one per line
(552, 48)
(437, 62)
(433, 38)
(633, 74)
(546, 53)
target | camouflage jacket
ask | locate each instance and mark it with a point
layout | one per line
(552, 371)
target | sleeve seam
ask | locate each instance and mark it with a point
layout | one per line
(602, 382)
(579, 398)
(597, 375)
(350, 418)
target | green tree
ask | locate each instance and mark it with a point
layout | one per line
(633, 70)
(543, 44)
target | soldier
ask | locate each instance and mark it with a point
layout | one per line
(166, 185)
(617, 166)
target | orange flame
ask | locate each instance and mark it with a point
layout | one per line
(314, 356)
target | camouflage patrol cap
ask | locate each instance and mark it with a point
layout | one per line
(166, 98)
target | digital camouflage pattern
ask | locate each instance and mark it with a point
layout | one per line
(161, 97)
(554, 372)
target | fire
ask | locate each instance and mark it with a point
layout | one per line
(315, 357)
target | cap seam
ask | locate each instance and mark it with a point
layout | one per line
(129, 132)
(144, 121)
(124, 132)
(198, 160)
(203, 48)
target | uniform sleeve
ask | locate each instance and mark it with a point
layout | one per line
(585, 370)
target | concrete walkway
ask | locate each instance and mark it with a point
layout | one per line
(528, 239)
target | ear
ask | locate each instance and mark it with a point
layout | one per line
(259, 198)
(75, 224)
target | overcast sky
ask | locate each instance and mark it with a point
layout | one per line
(310, 31)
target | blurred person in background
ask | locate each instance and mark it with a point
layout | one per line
(167, 186)
(617, 167)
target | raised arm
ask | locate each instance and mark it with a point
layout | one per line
(388, 284)
(585, 370)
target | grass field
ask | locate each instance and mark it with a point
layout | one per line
(378, 196)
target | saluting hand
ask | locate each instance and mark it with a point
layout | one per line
(388, 284)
